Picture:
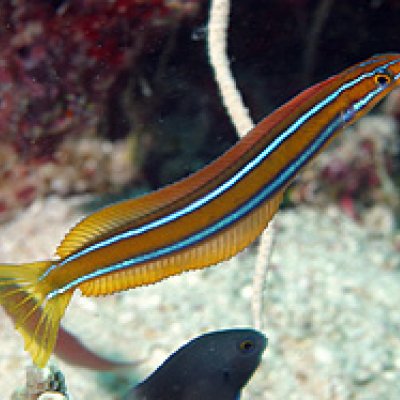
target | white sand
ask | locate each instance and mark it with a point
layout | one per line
(332, 311)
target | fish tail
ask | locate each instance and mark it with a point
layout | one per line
(24, 296)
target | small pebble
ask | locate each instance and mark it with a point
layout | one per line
(52, 396)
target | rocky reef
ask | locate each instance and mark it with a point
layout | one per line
(61, 64)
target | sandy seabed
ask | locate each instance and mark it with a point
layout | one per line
(331, 312)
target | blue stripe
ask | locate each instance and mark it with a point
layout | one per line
(230, 182)
(273, 187)
(223, 223)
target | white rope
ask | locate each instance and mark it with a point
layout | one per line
(240, 117)
(217, 42)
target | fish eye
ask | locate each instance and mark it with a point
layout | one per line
(246, 346)
(382, 79)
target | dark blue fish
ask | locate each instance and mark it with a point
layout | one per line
(214, 366)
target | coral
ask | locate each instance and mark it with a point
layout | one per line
(79, 165)
(59, 63)
(356, 171)
(42, 384)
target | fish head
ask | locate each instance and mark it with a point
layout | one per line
(229, 359)
(363, 85)
(241, 355)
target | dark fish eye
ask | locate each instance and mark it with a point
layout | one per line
(246, 346)
(381, 79)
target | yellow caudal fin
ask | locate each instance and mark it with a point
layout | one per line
(24, 297)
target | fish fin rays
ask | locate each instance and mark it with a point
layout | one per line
(106, 221)
(95, 226)
(37, 318)
(217, 248)
(98, 224)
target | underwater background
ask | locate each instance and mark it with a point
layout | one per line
(101, 101)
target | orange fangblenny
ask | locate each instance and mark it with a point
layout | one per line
(197, 222)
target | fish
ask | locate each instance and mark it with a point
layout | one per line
(70, 349)
(198, 221)
(216, 365)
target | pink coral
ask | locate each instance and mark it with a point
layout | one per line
(58, 65)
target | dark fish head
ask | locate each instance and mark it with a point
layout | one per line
(232, 356)
(216, 365)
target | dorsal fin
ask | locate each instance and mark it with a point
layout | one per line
(118, 215)
(110, 218)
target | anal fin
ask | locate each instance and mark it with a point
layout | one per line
(217, 248)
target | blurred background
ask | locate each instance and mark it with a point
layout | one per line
(118, 97)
